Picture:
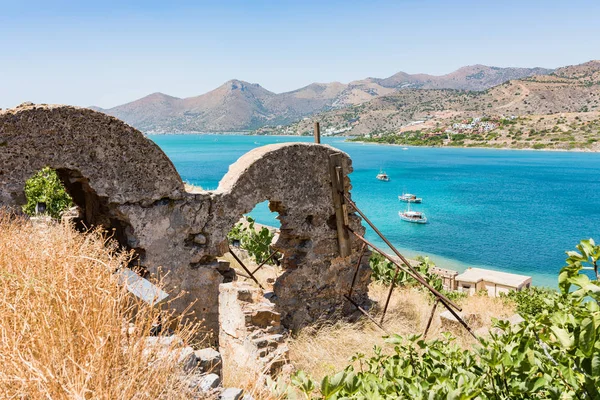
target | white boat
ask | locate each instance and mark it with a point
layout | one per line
(382, 176)
(405, 148)
(415, 217)
(410, 198)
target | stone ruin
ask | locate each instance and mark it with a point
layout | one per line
(125, 183)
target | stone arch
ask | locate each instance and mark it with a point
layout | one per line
(119, 163)
(101, 161)
(295, 179)
(125, 181)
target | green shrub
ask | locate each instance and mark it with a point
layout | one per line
(256, 242)
(46, 187)
(555, 354)
(532, 301)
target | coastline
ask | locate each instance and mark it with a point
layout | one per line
(574, 150)
(249, 133)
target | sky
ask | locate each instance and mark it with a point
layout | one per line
(107, 53)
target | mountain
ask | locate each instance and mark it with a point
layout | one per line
(563, 107)
(474, 77)
(239, 106)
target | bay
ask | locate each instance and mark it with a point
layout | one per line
(509, 210)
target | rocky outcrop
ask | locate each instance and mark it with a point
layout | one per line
(125, 183)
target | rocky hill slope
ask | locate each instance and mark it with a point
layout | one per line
(562, 109)
(239, 105)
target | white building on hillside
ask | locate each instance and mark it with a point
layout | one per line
(494, 282)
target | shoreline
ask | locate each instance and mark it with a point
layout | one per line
(539, 280)
(576, 150)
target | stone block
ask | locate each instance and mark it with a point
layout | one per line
(231, 394)
(187, 359)
(209, 382)
(209, 360)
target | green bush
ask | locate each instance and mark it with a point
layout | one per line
(46, 187)
(554, 354)
(532, 301)
(256, 242)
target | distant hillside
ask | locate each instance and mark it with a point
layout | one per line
(240, 106)
(559, 110)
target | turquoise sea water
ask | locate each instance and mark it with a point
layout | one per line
(515, 211)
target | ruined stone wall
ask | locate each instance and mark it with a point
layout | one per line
(124, 182)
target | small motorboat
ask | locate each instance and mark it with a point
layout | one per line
(405, 148)
(409, 198)
(415, 217)
(382, 176)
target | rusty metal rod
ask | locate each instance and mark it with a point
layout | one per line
(430, 317)
(458, 318)
(390, 245)
(417, 277)
(443, 299)
(415, 274)
(389, 296)
(366, 314)
(362, 253)
(244, 266)
(264, 262)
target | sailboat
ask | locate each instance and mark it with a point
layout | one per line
(410, 198)
(412, 216)
(382, 176)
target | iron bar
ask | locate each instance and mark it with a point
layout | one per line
(390, 245)
(244, 267)
(366, 314)
(430, 317)
(389, 296)
(443, 299)
(417, 277)
(362, 253)
(264, 262)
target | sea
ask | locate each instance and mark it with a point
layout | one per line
(508, 210)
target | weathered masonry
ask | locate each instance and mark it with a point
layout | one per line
(126, 184)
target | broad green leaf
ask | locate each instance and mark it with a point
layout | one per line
(566, 339)
(587, 337)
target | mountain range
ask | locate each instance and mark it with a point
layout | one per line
(242, 106)
(569, 93)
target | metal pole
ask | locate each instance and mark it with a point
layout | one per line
(362, 253)
(244, 267)
(443, 299)
(317, 132)
(389, 296)
(264, 262)
(430, 317)
(418, 278)
(367, 314)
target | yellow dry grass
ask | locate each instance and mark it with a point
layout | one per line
(328, 349)
(67, 329)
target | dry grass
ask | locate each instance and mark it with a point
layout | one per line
(328, 349)
(266, 275)
(67, 329)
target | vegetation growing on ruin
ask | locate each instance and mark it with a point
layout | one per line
(256, 241)
(553, 354)
(46, 187)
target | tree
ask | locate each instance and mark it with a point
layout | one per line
(46, 187)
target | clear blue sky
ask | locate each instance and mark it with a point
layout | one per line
(107, 53)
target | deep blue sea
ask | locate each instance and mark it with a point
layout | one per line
(514, 211)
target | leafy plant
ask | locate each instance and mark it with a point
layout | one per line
(256, 241)
(553, 354)
(46, 187)
(532, 301)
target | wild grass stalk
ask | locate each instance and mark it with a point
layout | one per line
(68, 330)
